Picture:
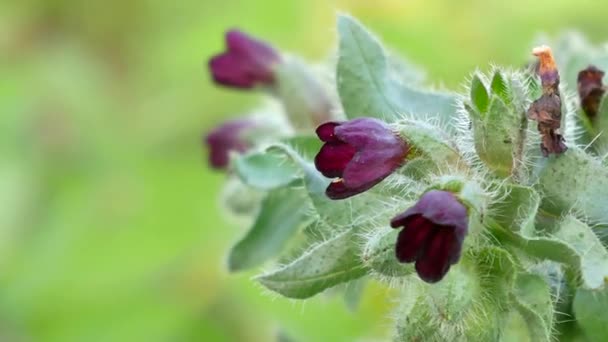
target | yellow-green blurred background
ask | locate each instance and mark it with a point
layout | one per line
(110, 228)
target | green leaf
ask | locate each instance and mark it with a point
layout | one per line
(266, 170)
(497, 136)
(499, 271)
(430, 143)
(499, 86)
(479, 94)
(521, 324)
(599, 127)
(405, 70)
(328, 264)
(573, 243)
(594, 257)
(575, 181)
(306, 146)
(367, 87)
(515, 328)
(590, 312)
(516, 209)
(455, 309)
(283, 212)
(532, 291)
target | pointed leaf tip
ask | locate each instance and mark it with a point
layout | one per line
(479, 94)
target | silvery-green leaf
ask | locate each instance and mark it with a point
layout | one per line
(266, 170)
(590, 312)
(327, 264)
(306, 146)
(515, 208)
(283, 212)
(367, 87)
(594, 257)
(497, 135)
(533, 292)
(575, 181)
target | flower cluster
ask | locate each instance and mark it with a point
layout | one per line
(458, 178)
(357, 154)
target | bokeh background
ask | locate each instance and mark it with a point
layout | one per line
(110, 228)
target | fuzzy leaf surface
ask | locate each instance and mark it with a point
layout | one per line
(328, 264)
(283, 212)
(590, 312)
(367, 87)
(266, 170)
(575, 180)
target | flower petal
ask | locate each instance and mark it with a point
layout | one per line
(337, 190)
(442, 208)
(333, 158)
(254, 49)
(229, 70)
(246, 63)
(433, 265)
(379, 151)
(326, 131)
(413, 239)
(225, 138)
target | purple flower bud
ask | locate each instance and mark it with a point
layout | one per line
(248, 62)
(225, 138)
(359, 153)
(432, 235)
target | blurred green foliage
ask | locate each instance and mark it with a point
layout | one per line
(110, 228)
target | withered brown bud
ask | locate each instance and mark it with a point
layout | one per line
(590, 89)
(547, 69)
(547, 110)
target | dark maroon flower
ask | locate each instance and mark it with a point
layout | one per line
(248, 62)
(225, 138)
(591, 89)
(359, 153)
(432, 235)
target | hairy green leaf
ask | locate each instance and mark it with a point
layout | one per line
(266, 170)
(575, 181)
(479, 94)
(594, 257)
(283, 212)
(367, 87)
(533, 292)
(590, 312)
(328, 264)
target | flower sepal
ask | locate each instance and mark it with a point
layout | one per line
(432, 150)
(465, 306)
